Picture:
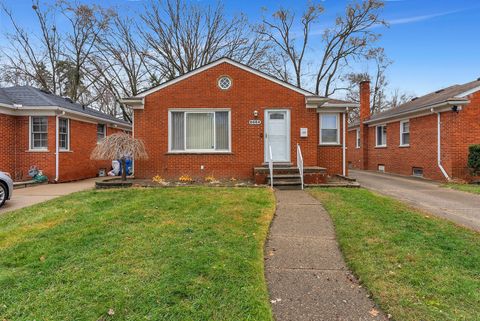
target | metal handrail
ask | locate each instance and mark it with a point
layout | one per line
(300, 163)
(270, 164)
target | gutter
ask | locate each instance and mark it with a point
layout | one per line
(439, 148)
(344, 149)
(427, 109)
(56, 149)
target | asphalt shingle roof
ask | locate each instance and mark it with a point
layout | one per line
(33, 97)
(431, 99)
(4, 99)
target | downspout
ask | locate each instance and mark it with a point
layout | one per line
(439, 148)
(56, 149)
(344, 152)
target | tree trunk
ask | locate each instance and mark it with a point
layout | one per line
(124, 169)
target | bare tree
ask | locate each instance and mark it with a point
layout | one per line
(120, 146)
(399, 97)
(280, 32)
(182, 37)
(381, 96)
(119, 64)
(349, 39)
(32, 59)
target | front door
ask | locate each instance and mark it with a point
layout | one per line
(277, 134)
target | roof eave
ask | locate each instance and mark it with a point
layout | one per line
(430, 108)
(134, 102)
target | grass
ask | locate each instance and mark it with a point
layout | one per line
(417, 267)
(146, 254)
(470, 188)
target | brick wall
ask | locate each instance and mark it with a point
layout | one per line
(458, 132)
(16, 158)
(465, 131)
(7, 146)
(247, 94)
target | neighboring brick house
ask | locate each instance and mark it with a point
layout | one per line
(428, 136)
(33, 121)
(220, 120)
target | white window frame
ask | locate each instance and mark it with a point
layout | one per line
(30, 141)
(62, 149)
(376, 135)
(104, 131)
(357, 138)
(199, 111)
(337, 115)
(402, 144)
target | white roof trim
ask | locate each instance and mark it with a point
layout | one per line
(444, 106)
(469, 92)
(50, 110)
(342, 105)
(216, 63)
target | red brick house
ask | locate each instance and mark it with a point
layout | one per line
(52, 133)
(428, 136)
(223, 118)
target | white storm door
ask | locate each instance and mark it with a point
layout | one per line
(277, 135)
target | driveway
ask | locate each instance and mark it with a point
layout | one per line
(32, 195)
(459, 207)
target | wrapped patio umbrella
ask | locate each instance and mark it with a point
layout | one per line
(120, 146)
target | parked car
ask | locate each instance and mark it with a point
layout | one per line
(6, 187)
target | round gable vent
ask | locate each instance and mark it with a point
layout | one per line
(224, 82)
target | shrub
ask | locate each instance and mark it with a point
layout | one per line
(474, 159)
(185, 178)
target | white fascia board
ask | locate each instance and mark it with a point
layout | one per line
(54, 110)
(469, 92)
(354, 127)
(135, 103)
(441, 107)
(216, 63)
(341, 105)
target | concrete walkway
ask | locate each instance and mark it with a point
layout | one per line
(306, 274)
(32, 195)
(460, 207)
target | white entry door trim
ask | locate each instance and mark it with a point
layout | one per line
(277, 134)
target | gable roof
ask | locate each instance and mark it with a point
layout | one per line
(28, 96)
(216, 63)
(456, 94)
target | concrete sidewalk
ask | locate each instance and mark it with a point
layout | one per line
(306, 274)
(460, 207)
(32, 195)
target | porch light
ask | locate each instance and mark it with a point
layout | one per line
(255, 113)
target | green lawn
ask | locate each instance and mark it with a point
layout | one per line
(417, 267)
(147, 254)
(470, 188)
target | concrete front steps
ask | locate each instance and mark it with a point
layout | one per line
(288, 177)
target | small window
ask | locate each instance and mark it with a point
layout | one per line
(404, 133)
(329, 129)
(417, 171)
(224, 83)
(63, 134)
(381, 168)
(277, 116)
(101, 132)
(38, 133)
(381, 133)
(199, 131)
(357, 140)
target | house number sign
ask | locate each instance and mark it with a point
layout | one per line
(254, 122)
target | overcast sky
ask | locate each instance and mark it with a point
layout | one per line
(433, 43)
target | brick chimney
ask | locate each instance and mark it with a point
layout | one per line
(364, 100)
(364, 115)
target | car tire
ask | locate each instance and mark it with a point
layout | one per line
(3, 193)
